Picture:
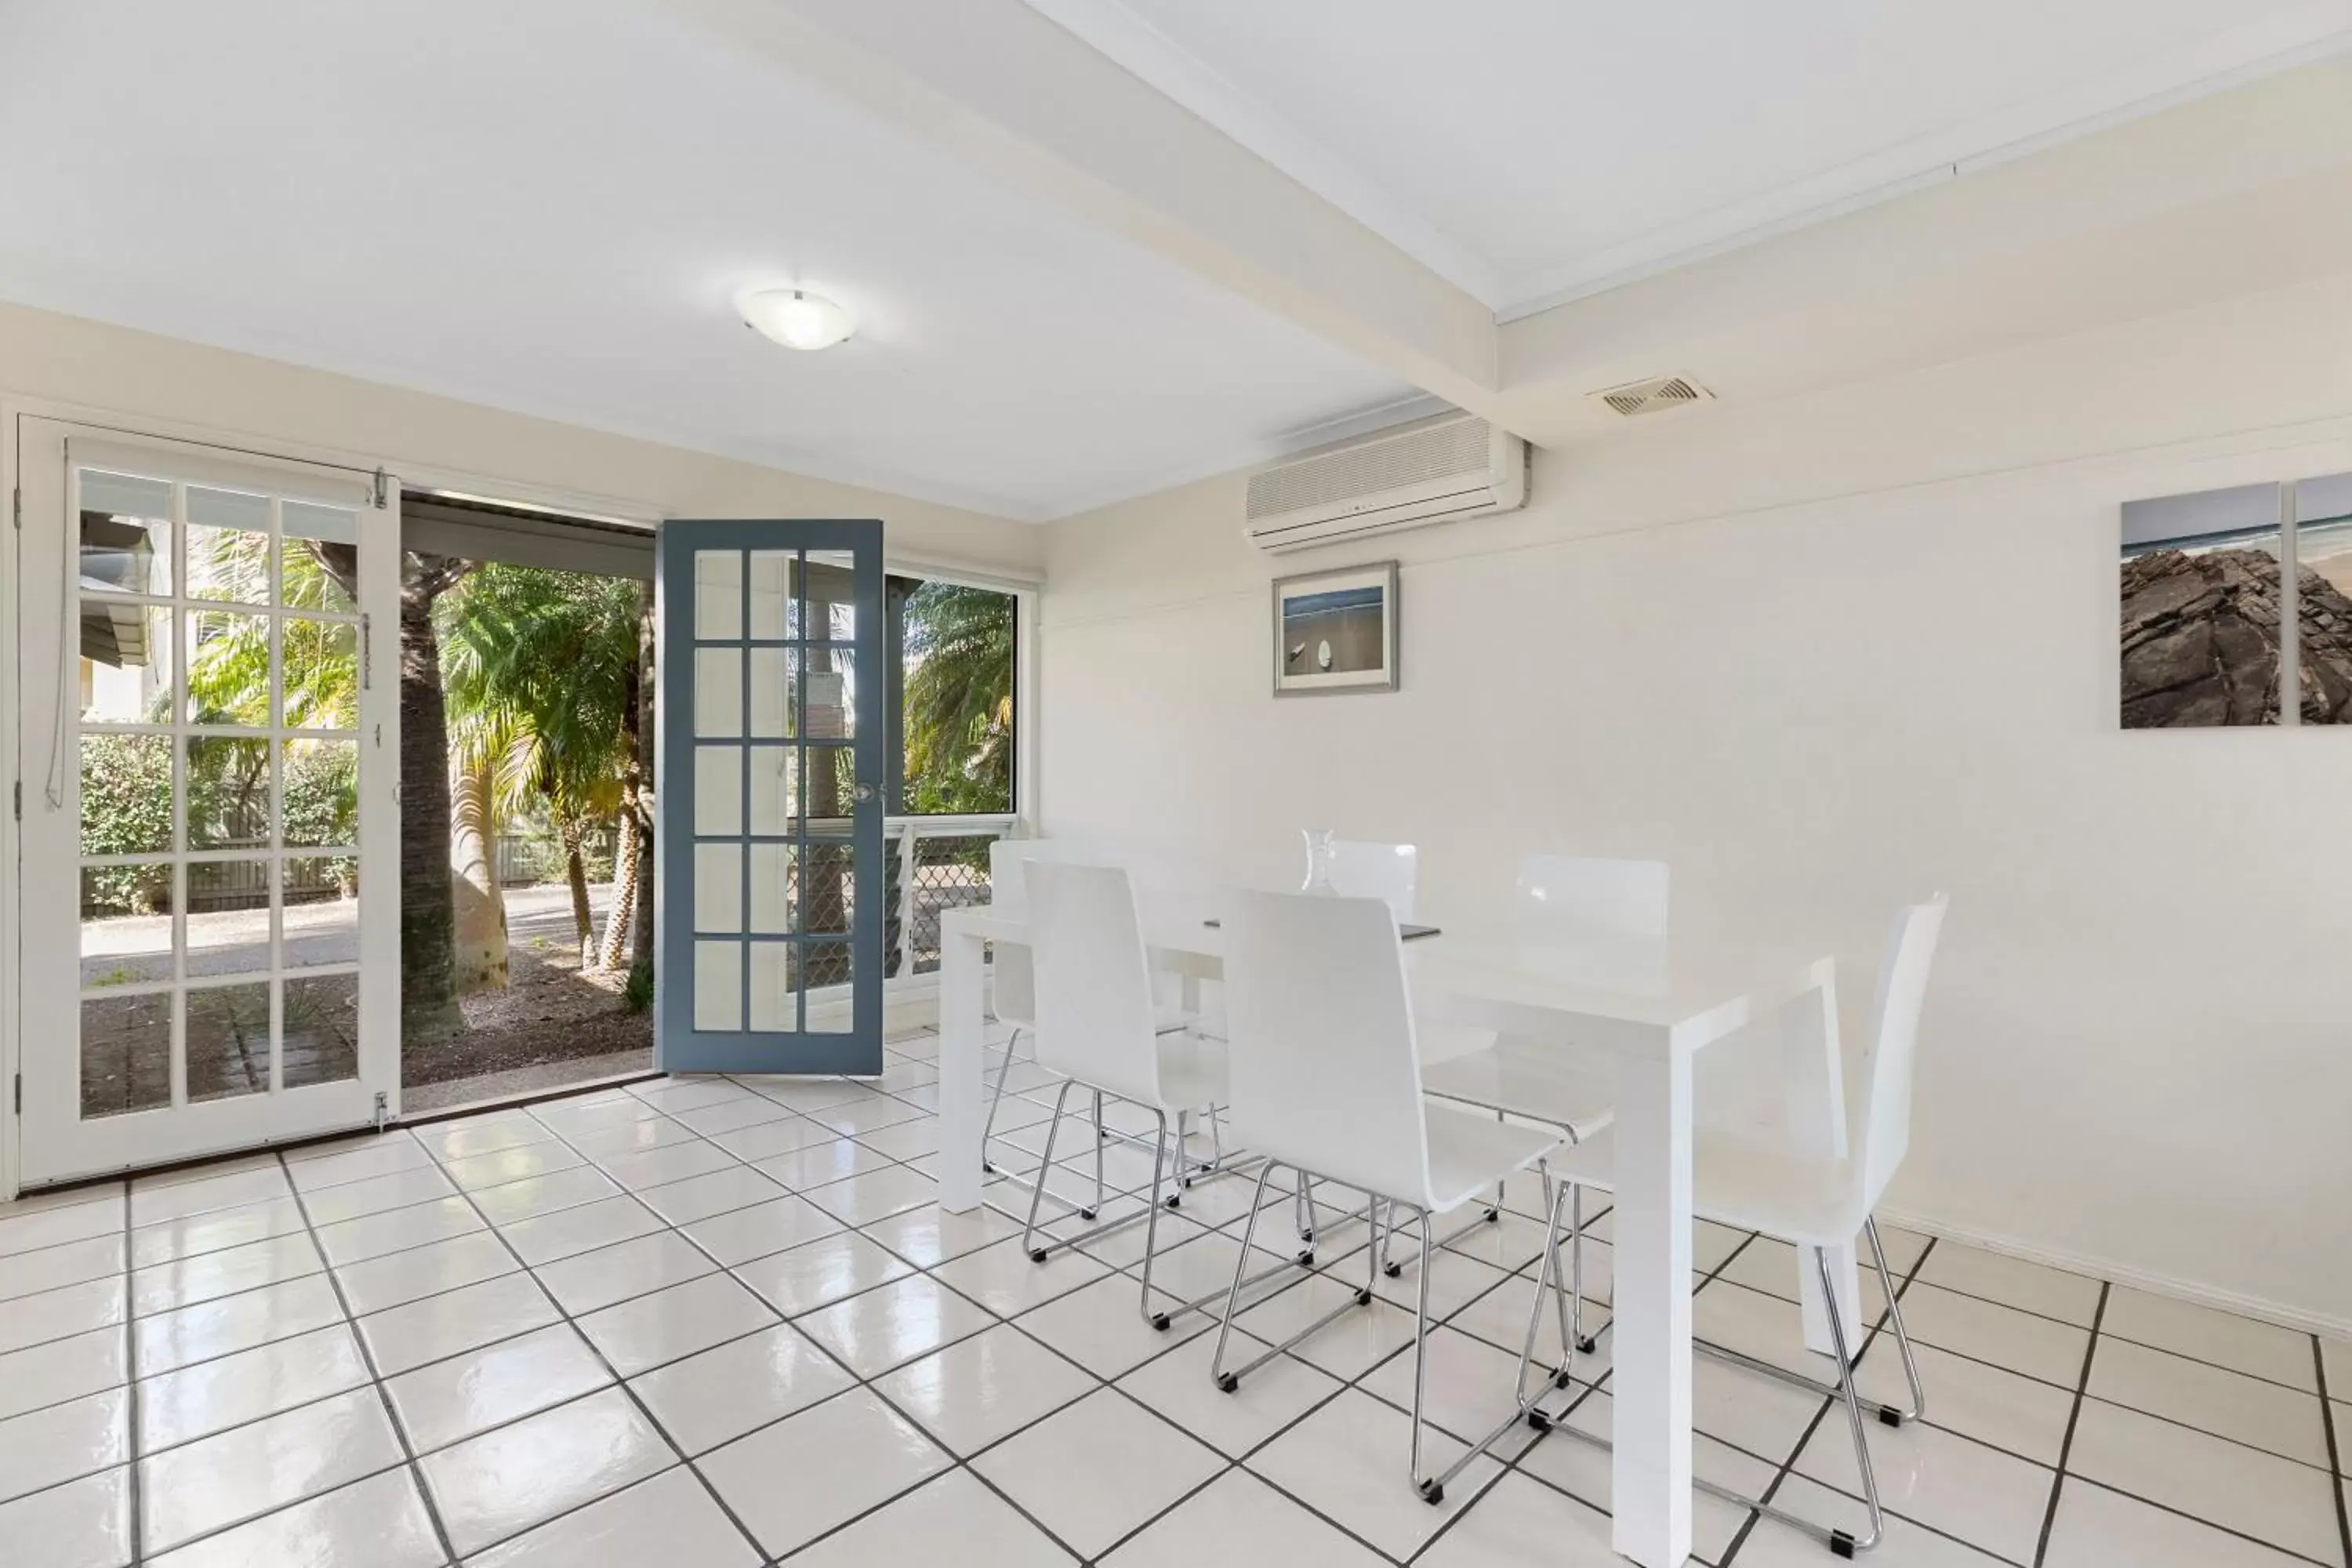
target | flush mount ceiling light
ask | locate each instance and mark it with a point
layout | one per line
(794, 317)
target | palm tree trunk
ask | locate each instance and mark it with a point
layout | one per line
(480, 933)
(640, 936)
(427, 913)
(627, 856)
(573, 829)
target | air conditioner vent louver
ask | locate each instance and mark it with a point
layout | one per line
(1455, 465)
(1654, 395)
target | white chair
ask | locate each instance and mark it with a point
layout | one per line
(1014, 985)
(1096, 1027)
(1604, 920)
(1750, 1185)
(1327, 1081)
(1358, 868)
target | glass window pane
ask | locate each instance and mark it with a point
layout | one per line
(322, 794)
(126, 1054)
(718, 692)
(228, 791)
(229, 1041)
(774, 690)
(126, 534)
(719, 595)
(775, 1004)
(829, 589)
(773, 890)
(829, 891)
(228, 917)
(323, 1030)
(957, 661)
(321, 660)
(828, 963)
(319, 557)
(126, 794)
(321, 919)
(774, 612)
(832, 694)
(718, 888)
(718, 790)
(228, 546)
(126, 923)
(719, 985)
(832, 788)
(126, 655)
(775, 792)
(229, 668)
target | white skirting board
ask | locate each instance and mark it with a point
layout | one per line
(2285, 1317)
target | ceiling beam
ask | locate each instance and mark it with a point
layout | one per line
(1008, 94)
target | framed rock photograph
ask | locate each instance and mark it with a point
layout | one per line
(2212, 583)
(1336, 631)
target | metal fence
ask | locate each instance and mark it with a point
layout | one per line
(938, 863)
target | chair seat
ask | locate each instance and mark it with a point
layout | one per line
(1525, 1081)
(1744, 1185)
(1469, 1153)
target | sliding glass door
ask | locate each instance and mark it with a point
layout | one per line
(769, 871)
(207, 738)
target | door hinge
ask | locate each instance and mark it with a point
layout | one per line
(17, 507)
(20, 1094)
(380, 493)
(20, 800)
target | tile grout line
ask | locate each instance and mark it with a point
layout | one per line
(2339, 1483)
(2073, 1417)
(350, 1326)
(636, 1403)
(133, 1487)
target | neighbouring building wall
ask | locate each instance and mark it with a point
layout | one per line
(1824, 655)
(275, 406)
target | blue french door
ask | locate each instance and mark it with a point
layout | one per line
(768, 703)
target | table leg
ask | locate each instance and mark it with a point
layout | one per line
(1650, 1319)
(963, 1039)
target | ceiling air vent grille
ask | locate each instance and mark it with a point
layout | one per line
(1654, 395)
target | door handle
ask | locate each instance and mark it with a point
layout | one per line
(863, 792)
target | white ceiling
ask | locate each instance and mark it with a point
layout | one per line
(1069, 290)
(1532, 149)
(546, 205)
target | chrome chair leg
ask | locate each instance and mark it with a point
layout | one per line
(988, 1129)
(1151, 1221)
(1045, 1170)
(1841, 1543)
(1089, 1214)
(1217, 1372)
(1895, 1320)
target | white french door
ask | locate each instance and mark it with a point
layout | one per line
(208, 737)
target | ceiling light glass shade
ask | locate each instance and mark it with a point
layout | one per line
(794, 317)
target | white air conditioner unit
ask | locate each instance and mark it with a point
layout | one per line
(1432, 470)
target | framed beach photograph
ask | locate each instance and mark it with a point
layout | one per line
(1336, 631)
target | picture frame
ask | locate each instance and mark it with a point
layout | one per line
(1335, 631)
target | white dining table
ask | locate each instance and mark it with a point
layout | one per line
(1649, 1020)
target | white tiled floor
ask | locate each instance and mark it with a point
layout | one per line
(721, 1321)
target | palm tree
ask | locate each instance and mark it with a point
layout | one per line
(959, 703)
(551, 657)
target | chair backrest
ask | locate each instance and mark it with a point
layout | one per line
(1013, 980)
(1325, 1072)
(1360, 868)
(1095, 1016)
(1587, 918)
(1894, 1043)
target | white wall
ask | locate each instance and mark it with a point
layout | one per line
(442, 442)
(1825, 654)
